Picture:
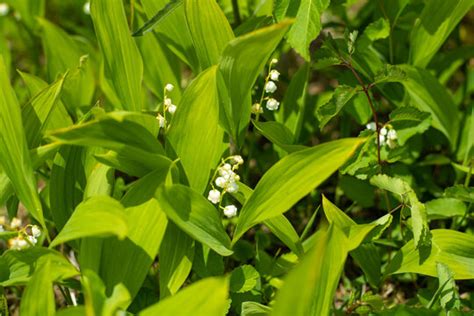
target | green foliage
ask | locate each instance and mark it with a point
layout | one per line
(221, 157)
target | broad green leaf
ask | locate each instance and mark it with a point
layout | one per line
(207, 297)
(161, 66)
(146, 228)
(29, 10)
(35, 114)
(122, 132)
(279, 135)
(17, 267)
(460, 192)
(168, 20)
(14, 155)
(242, 61)
(339, 99)
(408, 121)
(254, 309)
(368, 257)
(428, 95)
(117, 302)
(292, 109)
(391, 184)
(176, 259)
(436, 22)
(67, 183)
(243, 279)
(97, 216)
(70, 57)
(38, 298)
(292, 178)
(195, 134)
(445, 208)
(354, 232)
(158, 17)
(309, 287)
(389, 73)
(307, 25)
(195, 215)
(59, 117)
(450, 247)
(279, 225)
(123, 63)
(209, 28)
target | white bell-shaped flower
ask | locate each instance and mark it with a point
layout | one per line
(230, 211)
(172, 109)
(214, 196)
(274, 74)
(169, 87)
(270, 87)
(272, 104)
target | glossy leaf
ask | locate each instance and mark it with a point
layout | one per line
(209, 28)
(242, 61)
(195, 215)
(14, 155)
(309, 288)
(436, 22)
(450, 247)
(97, 216)
(123, 63)
(291, 179)
(38, 298)
(207, 297)
(339, 99)
(198, 148)
(279, 135)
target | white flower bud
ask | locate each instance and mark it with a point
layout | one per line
(169, 87)
(172, 108)
(221, 182)
(232, 187)
(18, 243)
(371, 126)
(270, 87)
(383, 131)
(238, 159)
(272, 104)
(35, 231)
(274, 74)
(257, 108)
(16, 222)
(4, 9)
(382, 139)
(161, 120)
(167, 102)
(214, 196)
(391, 143)
(274, 61)
(2, 229)
(230, 211)
(392, 134)
(87, 8)
(32, 240)
(227, 167)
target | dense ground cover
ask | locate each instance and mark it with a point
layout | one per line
(253, 157)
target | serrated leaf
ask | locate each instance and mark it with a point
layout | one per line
(389, 73)
(378, 29)
(307, 25)
(339, 99)
(408, 121)
(445, 208)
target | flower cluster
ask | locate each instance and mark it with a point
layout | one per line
(269, 88)
(26, 236)
(387, 135)
(168, 106)
(225, 179)
(4, 9)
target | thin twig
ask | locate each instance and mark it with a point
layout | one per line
(365, 89)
